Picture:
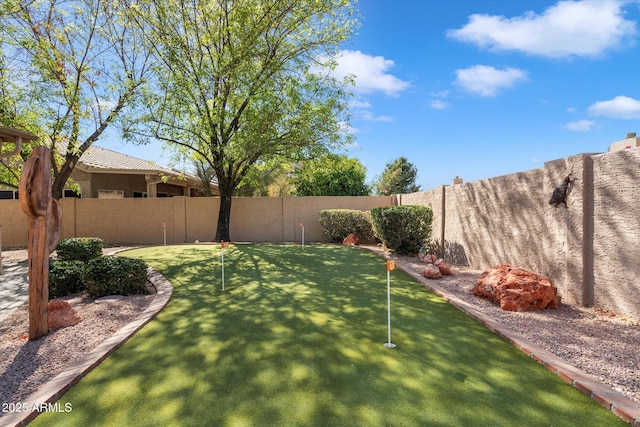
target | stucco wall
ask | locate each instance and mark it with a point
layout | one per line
(590, 249)
(616, 240)
(140, 221)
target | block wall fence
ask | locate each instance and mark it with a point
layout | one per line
(590, 249)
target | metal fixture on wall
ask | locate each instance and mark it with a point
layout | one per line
(561, 192)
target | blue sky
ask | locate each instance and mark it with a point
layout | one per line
(478, 89)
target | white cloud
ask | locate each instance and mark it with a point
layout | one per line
(580, 125)
(580, 28)
(485, 80)
(371, 72)
(371, 117)
(356, 103)
(620, 107)
(438, 104)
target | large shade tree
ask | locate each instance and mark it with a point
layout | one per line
(70, 69)
(242, 81)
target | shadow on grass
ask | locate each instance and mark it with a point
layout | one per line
(296, 339)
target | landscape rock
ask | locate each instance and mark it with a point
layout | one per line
(351, 240)
(431, 272)
(442, 265)
(427, 258)
(516, 289)
(61, 314)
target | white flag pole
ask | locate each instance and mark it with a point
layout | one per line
(223, 245)
(390, 266)
(302, 226)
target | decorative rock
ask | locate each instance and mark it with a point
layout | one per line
(351, 240)
(61, 314)
(427, 258)
(516, 289)
(442, 265)
(431, 272)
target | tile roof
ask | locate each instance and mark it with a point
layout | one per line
(102, 158)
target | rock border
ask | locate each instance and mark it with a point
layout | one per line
(58, 386)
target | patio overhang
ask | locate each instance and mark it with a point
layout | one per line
(15, 137)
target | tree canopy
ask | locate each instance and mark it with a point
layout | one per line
(242, 81)
(398, 177)
(331, 175)
(70, 68)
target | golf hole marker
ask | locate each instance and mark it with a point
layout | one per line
(391, 265)
(223, 245)
(164, 232)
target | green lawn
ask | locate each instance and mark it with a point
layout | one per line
(297, 339)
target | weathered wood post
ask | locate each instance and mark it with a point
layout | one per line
(44, 230)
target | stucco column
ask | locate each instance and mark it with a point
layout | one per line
(152, 185)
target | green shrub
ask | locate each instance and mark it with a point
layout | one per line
(116, 276)
(65, 278)
(402, 228)
(339, 223)
(79, 249)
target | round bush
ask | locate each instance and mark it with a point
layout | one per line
(65, 278)
(116, 276)
(79, 249)
(339, 223)
(402, 228)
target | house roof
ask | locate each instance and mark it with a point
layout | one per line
(101, 158)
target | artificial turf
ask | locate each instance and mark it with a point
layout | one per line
(296, 338)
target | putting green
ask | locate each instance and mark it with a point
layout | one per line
(296, 338)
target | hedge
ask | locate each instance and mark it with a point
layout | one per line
(116, 276)
(402, 228)
(65, 278)
(79, 249)
(339, 223)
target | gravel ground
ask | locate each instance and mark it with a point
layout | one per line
(26, 365)
(600, 343)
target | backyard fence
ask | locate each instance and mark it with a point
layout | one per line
(590, 249)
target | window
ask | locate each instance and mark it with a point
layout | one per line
(8, 194)
(71, 193)
(139, 194)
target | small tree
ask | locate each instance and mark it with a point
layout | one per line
(331, 175)
(399, 177)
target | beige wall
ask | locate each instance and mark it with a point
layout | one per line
(140, 221)
(590, 250)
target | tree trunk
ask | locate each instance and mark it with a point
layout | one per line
(224, 216)
(63, 175)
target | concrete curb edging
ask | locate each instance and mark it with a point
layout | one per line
(54, 389)
(620, 405)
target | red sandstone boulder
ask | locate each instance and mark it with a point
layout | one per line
(442, 265)
(61, 314)
(351, 240)
(516, 289)
(431, 272)
(428, 258)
